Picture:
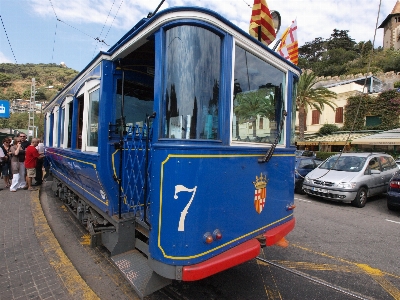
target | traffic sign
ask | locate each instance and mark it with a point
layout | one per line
(4, 109)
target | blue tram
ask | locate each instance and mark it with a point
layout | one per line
(176, 147)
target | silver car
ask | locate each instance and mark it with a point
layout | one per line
(351, 177)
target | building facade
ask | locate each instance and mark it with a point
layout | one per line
(391, 28)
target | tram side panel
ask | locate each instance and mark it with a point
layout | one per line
(196, 194)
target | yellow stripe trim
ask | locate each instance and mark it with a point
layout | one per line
(223, 245)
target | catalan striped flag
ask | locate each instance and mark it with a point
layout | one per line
(261, 24)
(289, 47)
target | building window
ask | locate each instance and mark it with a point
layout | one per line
(315, 117)
(339, 115)
(373, 121)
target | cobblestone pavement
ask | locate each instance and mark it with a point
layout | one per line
(32, 264)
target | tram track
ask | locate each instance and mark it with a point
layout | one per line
(315, 280)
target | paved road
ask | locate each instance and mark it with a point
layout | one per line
(349, 248)
(340, 245)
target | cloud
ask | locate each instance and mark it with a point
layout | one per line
(4, 59)
(315, 18)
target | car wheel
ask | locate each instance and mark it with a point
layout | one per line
(391, 207)
(361, 198)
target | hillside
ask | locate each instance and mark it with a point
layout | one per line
(16, 79)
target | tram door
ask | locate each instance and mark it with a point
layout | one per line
(80, 122)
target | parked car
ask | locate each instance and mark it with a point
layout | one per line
(303, 166)
(398, 163)
(351, 177)
(393, 192)
(304, 153)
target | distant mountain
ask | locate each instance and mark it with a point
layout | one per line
(16, 80)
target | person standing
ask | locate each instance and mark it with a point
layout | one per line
(6, 168)
(39, 164)
(24, 144)
(17, 168)
(31, 157)
(2, 159)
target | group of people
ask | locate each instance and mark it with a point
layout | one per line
(21, 161)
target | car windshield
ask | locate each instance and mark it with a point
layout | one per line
(344, 163)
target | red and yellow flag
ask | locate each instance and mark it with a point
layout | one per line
(261, 17)
(289, 47)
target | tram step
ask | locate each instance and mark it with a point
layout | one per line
(136, 270)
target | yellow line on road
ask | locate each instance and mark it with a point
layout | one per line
(73, 282)
(318, 267)
(376, 274)
(271, 288)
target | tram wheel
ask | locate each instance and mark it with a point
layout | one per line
(361, 198)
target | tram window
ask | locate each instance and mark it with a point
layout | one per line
(293, 121)
(55, 127)
(69, 124)
(138, 102)
(192, 75)
(62, 121)
(80, 122)
(259, 91)
(93, 121)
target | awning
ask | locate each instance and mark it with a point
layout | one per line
(387, 138)
(338, 138)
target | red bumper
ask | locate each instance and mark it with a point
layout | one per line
(276, 234)
(235, 256)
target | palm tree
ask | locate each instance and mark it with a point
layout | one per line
(309, 97)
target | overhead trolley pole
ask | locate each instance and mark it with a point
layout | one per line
(32, 109)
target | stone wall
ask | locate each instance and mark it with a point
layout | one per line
(388, 79)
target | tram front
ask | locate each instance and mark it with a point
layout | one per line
(222, 149)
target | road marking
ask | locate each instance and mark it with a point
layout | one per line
(392, 221)
(73, 282)
(302, 200)
(376, 274)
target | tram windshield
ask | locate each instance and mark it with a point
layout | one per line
(192, 73)
(259, 91)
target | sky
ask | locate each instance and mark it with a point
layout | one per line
(68, 31)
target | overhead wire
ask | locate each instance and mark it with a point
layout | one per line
(361, 98)
(105, 22)
(59, 20)
(5, 31)
(365, 81)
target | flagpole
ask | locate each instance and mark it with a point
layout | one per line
(259, 33)
(276, 44)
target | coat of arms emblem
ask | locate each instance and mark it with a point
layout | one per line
(260, 194)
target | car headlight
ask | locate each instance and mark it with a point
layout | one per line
(307, 179)
(347, 185)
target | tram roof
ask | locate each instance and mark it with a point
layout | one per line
(145, 22)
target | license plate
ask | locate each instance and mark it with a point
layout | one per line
(319, 190)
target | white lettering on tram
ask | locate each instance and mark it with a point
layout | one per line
(180, 188)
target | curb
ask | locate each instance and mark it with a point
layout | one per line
(73, 282)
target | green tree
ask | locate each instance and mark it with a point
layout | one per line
(328, 129)
(4, 79)
(250, 105)
(18, 120)
(309, 97)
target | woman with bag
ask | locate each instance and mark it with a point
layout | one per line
(17, 167)
(6, 163)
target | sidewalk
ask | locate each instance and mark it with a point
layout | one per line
(32, 263)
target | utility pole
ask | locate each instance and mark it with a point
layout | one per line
(32, 111)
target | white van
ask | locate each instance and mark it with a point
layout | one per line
(351, 177)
